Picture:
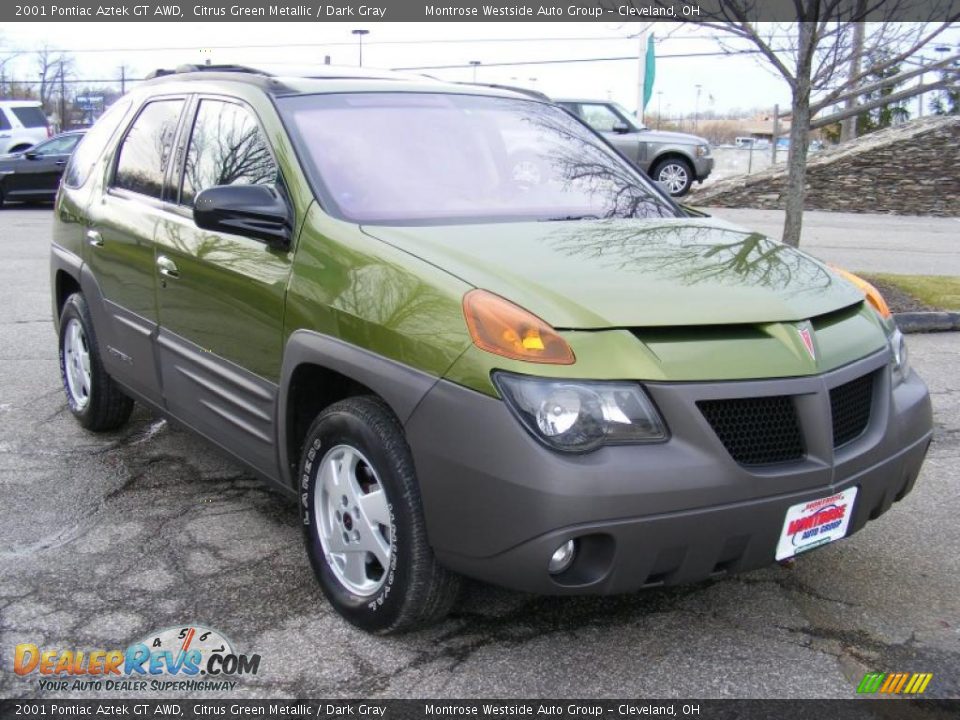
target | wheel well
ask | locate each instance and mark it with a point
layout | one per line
(313, 388)
(66, 286)
(673, 155)
(21, 147)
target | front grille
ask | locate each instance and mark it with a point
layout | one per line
(850, 407)
(756, 431)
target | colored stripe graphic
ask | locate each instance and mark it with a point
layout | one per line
(895, 683)
(870, 683)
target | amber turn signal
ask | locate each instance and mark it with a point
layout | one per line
(500, 327)
(873, 295)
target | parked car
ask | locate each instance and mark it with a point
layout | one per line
(35, 173)
(675, 160)
(23, 124)
(563, 386)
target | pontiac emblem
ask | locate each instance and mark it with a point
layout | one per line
(807, 337)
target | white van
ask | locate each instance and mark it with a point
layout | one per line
(22, 125)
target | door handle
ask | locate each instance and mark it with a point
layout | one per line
(167, 267)
(60, 163)
(94, 238)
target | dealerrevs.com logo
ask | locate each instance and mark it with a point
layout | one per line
(191, 658)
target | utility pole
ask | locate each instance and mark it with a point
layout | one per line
(696, 111)
(848, 128)
(123, 79)
(776, 132)
(659, 100)
(641, 72)
(63, 99)
(360, 34)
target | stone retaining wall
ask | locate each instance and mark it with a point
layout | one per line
(912, 169)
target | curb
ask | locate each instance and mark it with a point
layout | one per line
(921, 322)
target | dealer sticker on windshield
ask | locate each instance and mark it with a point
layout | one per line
(818, 522)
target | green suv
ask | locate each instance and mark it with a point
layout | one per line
(561, 383)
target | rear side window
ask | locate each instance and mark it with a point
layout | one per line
(4, 123)
(226, 148)
(93, 143)
(31, 117)
(147, 149)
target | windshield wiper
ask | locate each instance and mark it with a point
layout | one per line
(570, 217)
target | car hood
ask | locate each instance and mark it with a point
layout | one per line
(662, 136)
(632, 273)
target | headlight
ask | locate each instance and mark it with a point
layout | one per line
(901, 357)
(578, 416)
(703, 150)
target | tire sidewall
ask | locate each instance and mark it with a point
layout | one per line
(75, 308)
(379, 611)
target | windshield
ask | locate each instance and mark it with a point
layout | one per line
(424, 158)
(631, 119)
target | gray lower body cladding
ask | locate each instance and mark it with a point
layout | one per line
(497, 503)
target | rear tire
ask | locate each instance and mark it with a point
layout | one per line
(363, 521)
(95, 400)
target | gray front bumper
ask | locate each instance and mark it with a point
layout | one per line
(498, 503)
(703, 167)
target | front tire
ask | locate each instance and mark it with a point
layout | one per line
(675, 174)
(363, 521)
(93, 397)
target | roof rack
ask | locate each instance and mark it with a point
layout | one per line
(536, 94)
(189, 68)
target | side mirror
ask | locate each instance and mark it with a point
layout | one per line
(31, 155)
(621, 128)
(254, 211)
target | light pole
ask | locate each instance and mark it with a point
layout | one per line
(475, 64)
(659, 100)
(696, 110)
(360, 34)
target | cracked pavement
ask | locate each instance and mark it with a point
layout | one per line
(105, 539)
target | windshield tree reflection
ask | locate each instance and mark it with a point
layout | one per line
(425, 158)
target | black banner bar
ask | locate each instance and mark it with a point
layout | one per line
(179, 709)
(455, 10)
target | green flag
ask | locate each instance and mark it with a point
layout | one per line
(650, 72)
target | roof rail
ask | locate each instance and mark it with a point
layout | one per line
(190, 68)
(536, 94)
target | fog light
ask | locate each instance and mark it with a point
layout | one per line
(562, 558)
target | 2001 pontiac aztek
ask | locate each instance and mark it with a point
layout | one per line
(558, 381)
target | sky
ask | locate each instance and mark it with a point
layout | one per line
(727, 83)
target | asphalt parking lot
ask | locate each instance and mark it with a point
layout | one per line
(105, 539)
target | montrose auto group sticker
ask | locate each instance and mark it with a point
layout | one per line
(187, 658)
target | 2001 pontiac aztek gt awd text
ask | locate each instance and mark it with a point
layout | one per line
(562, 384)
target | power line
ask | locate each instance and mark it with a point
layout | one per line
(349, 43)
(576, 60)
(319, 45)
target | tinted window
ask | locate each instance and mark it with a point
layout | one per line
(428, 158)
(600, 117)
(91, 146)
(146, 150)
(226, 148)
(58, 146)
(31, 117)
(4, 123)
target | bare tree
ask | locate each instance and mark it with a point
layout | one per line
(53, 71)
(7, 57)
(821, 57)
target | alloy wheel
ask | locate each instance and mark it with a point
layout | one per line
(353, 519)
(76, 362)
